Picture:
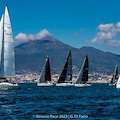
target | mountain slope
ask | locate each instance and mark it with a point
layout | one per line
(31, 56)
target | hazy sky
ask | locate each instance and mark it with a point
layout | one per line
(75, 22)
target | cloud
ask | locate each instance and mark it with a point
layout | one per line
(22, 37)
(107, 35)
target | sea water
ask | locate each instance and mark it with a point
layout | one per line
(100, 101)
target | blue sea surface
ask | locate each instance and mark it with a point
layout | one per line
(100, 101)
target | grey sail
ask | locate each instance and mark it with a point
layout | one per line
(115, 76)
(83, 75)
(46, 72)
(66, 74)
(7, 63)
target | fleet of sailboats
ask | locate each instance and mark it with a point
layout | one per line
(65, 78)
(7, 59)
(7, 63)
(7, 56)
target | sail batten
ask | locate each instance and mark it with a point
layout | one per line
(83, 74)
(66, 74)
(7, 65)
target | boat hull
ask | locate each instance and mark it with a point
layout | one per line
(82, 85)
(64, 84)
(2, 84)
(117, 85)
(45, 84)
(111, 84)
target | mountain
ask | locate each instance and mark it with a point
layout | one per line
(30, 56)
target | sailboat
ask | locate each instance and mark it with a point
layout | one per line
(115, 76)
(65, 78)
(7, 56)
(45, 78)
(83, 75)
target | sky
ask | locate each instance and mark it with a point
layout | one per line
(78, 23)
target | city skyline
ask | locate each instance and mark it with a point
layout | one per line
(77, 23)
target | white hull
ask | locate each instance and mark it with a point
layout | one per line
(111, 84)
(82, 85)
(117, 85)
(45, 84)
(2, 84)
(64, 84)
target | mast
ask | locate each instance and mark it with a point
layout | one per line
(46, 72)
(1, 38)
(2, 45)
(83, 75)
(7, 67)
(66, 74)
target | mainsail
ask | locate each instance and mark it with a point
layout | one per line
(46, 73)
(66, 74)
(7, 57)
(83, 75)
(115, 76)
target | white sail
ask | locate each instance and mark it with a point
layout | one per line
(7, 55)
(118, 80)
(118, 83)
